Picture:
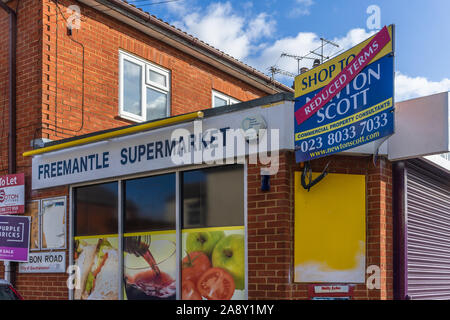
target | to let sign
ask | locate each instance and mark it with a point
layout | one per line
(14, 238)
(12, 194)
(335, 112)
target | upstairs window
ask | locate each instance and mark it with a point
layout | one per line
(220, 99)
(144, 89)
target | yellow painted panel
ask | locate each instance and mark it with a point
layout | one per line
(330, 229)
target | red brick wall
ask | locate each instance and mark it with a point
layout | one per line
(192, 81)
(271, 227)
(4, 25)
(28, 80)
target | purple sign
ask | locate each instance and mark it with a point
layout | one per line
(14, 238)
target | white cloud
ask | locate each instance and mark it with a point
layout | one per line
(219, 26)
(301, 8)
(412, 87)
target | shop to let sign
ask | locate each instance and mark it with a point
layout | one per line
(14, 238)
(12, 194)
(339, 111)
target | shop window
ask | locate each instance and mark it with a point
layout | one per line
(213, 246)
(220, 99)
(96, 241)
(96, 209)
(209, 234)
(207, 194)
(150, 238)
(144, 89)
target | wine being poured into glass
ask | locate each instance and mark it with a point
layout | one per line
(148, 283)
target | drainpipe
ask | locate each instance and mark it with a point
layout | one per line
(400, 232)
(12, 103)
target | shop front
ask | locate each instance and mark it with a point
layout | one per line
(213, 205)
(162, 213)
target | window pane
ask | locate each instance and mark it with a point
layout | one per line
(158, 78)
(218, 102)
(213, 197)
(150, 203)
(150, 238)
(213, 234)
(156, 104)
(95, 253)
(96, 209)
(132, 75)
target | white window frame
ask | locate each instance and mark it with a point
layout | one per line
(146, 66)
(222, 96)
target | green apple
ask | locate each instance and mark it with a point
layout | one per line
(204, 241)
(229, 254)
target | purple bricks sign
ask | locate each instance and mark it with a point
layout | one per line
(14, 238)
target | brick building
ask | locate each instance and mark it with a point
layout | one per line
(124, 77)
(68, 85)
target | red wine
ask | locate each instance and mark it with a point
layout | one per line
(151, 285)
(151, 261)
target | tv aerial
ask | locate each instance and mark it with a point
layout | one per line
(316, 55)
(275, 70)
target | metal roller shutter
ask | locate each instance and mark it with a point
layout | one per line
(428, 234)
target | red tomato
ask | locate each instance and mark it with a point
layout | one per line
(194, 265)
(189, 291)
(216, 284)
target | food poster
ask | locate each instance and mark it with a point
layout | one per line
(330, 229)
(213, 264)
(98, 260)
(150, 268)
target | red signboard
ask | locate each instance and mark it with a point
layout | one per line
(342, 79)
(12, 194)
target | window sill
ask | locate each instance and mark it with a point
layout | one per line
(125, 119)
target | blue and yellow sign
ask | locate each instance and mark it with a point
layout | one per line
(360, 113)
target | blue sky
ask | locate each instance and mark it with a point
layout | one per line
(257, 32)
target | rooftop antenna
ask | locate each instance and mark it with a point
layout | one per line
(274, 70)
(298, 58)
(324, 42)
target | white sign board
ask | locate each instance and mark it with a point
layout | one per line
(421, 127)
(44, 262)
(213, 138)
